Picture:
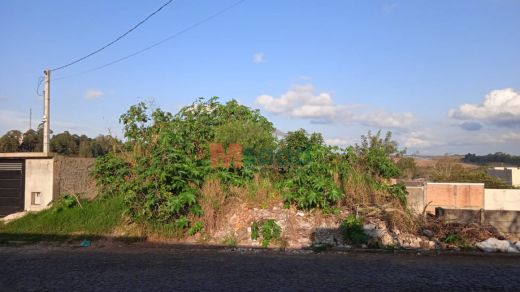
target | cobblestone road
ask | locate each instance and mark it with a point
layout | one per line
(137, 268)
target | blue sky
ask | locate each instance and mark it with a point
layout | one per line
(443, 76)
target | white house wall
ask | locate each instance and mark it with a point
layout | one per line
(502, 199)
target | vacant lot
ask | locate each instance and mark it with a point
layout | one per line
(137, 268)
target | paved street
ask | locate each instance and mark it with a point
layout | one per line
(138, 268)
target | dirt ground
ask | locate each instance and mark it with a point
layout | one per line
(135, 267)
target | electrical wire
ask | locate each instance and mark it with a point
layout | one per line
(177, 34)
(40, 80)
(114, 41)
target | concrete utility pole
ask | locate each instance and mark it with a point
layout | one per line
(46, 111)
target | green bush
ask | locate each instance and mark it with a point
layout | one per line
(269, 231)
(457, 240)
(65, 202)
(311, 185)
(352, 230)
(165, 159)
(399, 192)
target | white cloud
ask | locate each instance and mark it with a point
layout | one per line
(511, 136)
(417, 140)
(259, 58)
(500, 107)
(301, 101)
(336, 142)
(92, 94)
(383, 119)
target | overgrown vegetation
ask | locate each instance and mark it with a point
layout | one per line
(164, 174)
(352, 230)
(268, 231)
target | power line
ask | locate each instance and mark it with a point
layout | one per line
(177, 34)
(40, 80)
(114, 41)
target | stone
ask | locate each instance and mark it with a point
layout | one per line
(493, 245)
(300, 213)
(428, 233)
(409, 241)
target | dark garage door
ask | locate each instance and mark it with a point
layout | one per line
(11, 186)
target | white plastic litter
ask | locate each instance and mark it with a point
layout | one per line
(493, 245)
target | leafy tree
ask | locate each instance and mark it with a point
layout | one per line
(10, 142)
(32, 141)
(374, 154)
(65, 144)
(496, 158)
(294, 145)
(165, 159)
(209, 121)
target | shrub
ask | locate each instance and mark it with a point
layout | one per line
(165, 161)
(399, 192)
(352, 230)
(457, 240)
(65, 202)
(312, 184)
(230, 240)
(269, 230)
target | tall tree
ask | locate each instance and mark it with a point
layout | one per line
(10, 142)
(32, 141)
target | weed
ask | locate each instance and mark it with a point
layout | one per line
(196, 228)
(269, 230)
(457, 240)
(255, 231)
(312, 184)
(399, 192)
(352, 229)
(65, 202)
(230, 240)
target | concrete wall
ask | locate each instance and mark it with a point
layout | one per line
(38, 178)
(509, 175)
(416, 198)
(502, 199)
(454, 196)
(72, 176)
(503, 221)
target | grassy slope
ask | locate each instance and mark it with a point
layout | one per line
(95, 219)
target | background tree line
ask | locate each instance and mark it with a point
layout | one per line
(497, 158)
(63, 143)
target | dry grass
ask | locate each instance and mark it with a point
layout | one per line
(470, 232)
(212, 203)
(260, 193)
(364, 197)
